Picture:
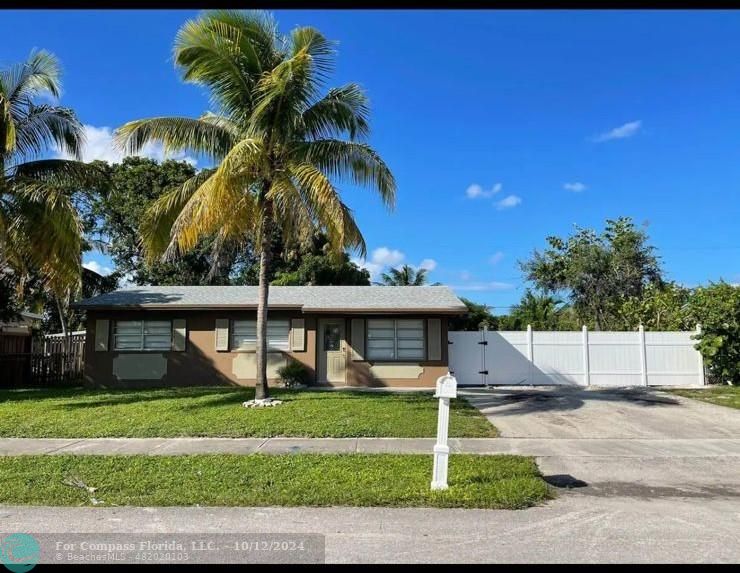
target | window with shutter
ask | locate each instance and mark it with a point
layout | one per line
(244, 335)
(395, 339)
(142, 335)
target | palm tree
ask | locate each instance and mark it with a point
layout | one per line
(405, 276)
(540, 310)
(39, 226)
(278, 145)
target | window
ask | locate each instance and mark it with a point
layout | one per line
(390, 339)
(244, 334)
(142, 335)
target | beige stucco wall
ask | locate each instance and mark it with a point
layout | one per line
(201, 365)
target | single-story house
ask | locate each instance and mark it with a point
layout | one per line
(198, 335)
(15, 334)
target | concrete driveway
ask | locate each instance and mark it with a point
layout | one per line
(567, 412)
(635, 442)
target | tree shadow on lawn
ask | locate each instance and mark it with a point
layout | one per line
(208, 397)
(327, 399)
(96, 398)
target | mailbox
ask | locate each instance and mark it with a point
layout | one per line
(446, 387)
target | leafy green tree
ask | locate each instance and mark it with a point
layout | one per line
(315, 264)
(597, 272)
(477, 316)
(10, 304)
(716, 308)
(405, 276)
(39, 226)
(661, 307)
(116, 217)
(93, 284)
(278, 144)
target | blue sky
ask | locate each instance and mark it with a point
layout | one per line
(500, 127)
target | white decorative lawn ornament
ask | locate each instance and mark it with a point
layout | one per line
(446, 389)
(262, 403)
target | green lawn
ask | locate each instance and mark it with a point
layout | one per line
(722, 395)
(506, 482)
(172, 412)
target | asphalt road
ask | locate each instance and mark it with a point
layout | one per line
(576, 528)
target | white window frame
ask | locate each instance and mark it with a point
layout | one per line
(239, 345)
(369, 351)
(143, 324)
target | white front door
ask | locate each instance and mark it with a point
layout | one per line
(332, 356)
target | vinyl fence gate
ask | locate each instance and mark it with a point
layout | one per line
(616, 359)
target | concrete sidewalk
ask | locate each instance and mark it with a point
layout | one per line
(539, 447)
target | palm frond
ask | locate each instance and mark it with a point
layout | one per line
(157, 223)
(342, 110)
(40, 73)
(226, 51)
(176, 134)
(44, 126)
(222, 122)
(292, 214)
(215, 205)
(311, 42)
(324, 204)
(33, 178)
(350, 161)
(45, 230)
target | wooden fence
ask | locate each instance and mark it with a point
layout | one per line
(54, 360)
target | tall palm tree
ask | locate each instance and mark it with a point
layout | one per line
(405, 276)
(279, 146)
(39, 226)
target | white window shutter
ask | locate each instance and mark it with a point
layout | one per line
(101, 335)
(222, 334)
(434, 339)
(179, 334)
(298, 334)
(357, 330)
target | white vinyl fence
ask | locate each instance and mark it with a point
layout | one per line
(575, 358)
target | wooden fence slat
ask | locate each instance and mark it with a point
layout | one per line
(54, 360)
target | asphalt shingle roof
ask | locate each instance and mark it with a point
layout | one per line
(307, 298)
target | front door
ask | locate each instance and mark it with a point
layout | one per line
(332, 357)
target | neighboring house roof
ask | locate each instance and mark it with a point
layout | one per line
(20, 325)
(308, 298)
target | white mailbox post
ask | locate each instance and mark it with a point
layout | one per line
(446, 389)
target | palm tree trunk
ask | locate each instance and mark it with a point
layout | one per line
(62, 317)
(262, 392)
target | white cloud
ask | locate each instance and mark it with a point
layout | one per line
(483, 286)
(428, 264)
(386, 256)
(475, 191)
(379, 259)
(383, 257)
(622, 132)
(508, 202)
(496, 257)
(99, 145)
(96, 267)
(575, 187)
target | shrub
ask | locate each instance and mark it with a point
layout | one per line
(717, 308)
(294, 373)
